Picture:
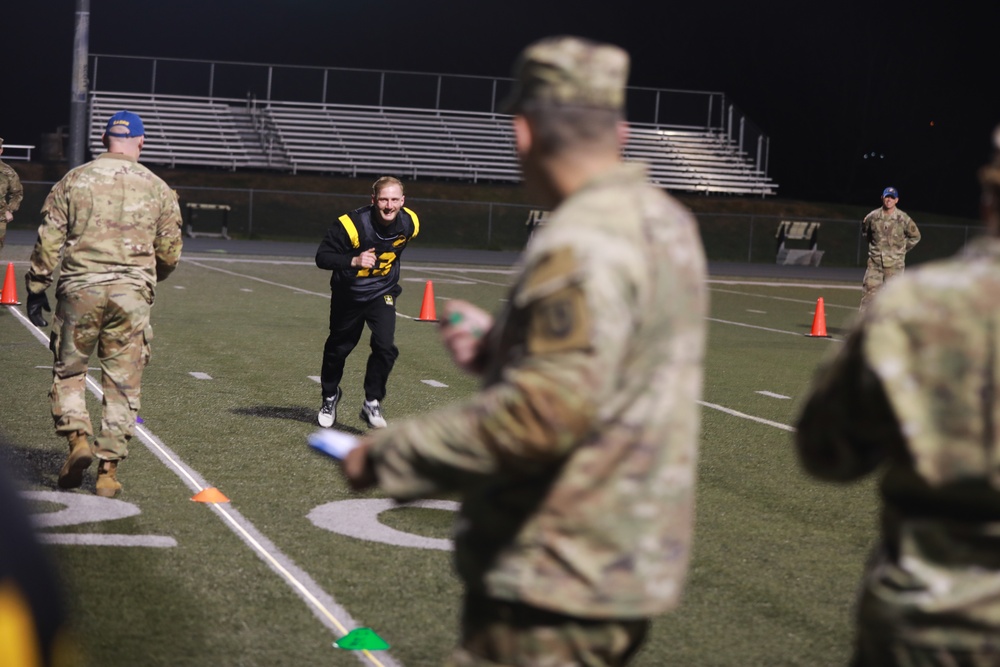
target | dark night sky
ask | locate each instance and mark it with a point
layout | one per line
(828, 82)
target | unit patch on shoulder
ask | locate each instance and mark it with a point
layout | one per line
(388, 299)
(560, 322)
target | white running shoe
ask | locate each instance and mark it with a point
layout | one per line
(328, 413)
(371, 412)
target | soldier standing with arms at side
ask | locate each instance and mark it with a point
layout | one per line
(11, 194)
(363, 249)
(915, 391)
(117, 228)
(576, 461)
(890, 234)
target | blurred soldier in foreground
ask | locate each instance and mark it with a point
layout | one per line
(11, 194)
(34, 628)
(915, 390)
(117, 228)
(576, 461)
(890, 234)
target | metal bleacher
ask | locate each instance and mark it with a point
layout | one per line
(188, 131)
(409, 142)
(412, 143)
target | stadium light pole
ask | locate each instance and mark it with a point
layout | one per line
(78, 85)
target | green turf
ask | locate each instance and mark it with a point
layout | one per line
(777, 556)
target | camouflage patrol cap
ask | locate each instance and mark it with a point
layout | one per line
(569, 71)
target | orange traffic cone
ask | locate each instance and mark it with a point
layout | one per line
(9, 297)
(819, 321)
(427, 311)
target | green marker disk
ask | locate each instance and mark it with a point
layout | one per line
(362, 639)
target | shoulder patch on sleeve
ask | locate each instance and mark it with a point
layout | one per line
(554, 303)
(554, 271)
(559, 322)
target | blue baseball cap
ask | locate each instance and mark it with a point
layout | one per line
(890, 192)
(125, 124)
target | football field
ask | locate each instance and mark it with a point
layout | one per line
(293, 561)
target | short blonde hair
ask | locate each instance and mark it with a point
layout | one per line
(385, 181)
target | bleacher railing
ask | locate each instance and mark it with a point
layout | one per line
(671, 108)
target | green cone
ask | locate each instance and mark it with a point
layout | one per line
(362, 639)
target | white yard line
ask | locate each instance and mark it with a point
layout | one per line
(760, 283)
(760, 328)
(743, 415)
(784, 298)
(771, 394)
(274, 284)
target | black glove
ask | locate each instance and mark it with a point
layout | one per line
(36, 304)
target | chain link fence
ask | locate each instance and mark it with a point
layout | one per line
(305, 216)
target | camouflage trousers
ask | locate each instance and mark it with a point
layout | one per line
(893, 633)
(875, 277)
(499, 634)
(878, 650)
(112, 320)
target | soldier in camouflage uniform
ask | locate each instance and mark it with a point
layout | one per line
(890, 234)
(576, 461)
(914, 391)
(117, 228)
(11, 194)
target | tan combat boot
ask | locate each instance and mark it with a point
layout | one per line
(79, 459)
(108, 485)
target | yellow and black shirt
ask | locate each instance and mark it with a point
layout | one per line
(352, 234)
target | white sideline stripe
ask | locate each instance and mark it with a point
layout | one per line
(434, 383)
(320, 602)
(89, 368)
(198, 375)
(783, 298)
(274, 284)
(755, 283)
(260, 280)
(754, 326)
(445, 281)
(743, 415)
(417, 266)
(771, 394)
(439, 271)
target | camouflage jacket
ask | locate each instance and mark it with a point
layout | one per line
(915, 390)
(576, 461)
(11, 193)
(890, 236)
(113, 221)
